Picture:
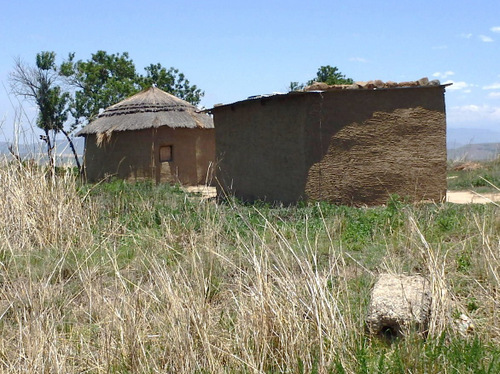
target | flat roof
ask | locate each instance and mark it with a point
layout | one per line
(319, 87)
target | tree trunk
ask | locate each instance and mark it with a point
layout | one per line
(72, 146)
(46, 138)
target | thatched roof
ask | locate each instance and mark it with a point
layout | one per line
(148, 109)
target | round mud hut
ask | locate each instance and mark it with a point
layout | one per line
(151, 135)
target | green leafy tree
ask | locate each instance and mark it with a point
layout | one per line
(40, 84)
(99, 82)
(171, 81)
(327, 74)
(330, 75)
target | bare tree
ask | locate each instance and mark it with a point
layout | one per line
(40, 84)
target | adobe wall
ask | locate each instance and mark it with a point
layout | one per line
(259, 148)
(134, 155)
(351, 147)
(193, 155)
(126, 155)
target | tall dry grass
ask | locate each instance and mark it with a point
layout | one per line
(105, 283)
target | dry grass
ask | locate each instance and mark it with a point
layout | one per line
(107, 282)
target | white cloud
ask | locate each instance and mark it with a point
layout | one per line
(495, 29)
(473, 114)
(466, 36)
(485, 38)
(494, 94)
(494, 86)
(468, 108)
(458, 86)
(440, 47)
(358, 59)
(444, 75)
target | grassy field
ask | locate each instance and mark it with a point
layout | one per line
(139, 278)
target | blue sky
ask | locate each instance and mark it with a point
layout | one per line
(235, 49)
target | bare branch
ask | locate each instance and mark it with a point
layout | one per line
(23, 80)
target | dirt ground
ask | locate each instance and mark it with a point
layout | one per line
(471, 197)
(206, 192)
(456, 197)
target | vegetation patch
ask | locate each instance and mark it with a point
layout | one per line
(479, 177)
(121, 277)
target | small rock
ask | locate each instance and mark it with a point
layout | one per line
(464, 324)
(423, 81)
(370, 85)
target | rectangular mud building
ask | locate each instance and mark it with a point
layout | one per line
(350, 145)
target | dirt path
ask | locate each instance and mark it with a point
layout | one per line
(470, 197)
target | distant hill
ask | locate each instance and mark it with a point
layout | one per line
(475, 152)
(458, 137)
(4, 148)
(62, 147)
(38, 150)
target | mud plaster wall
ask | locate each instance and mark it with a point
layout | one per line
(347, 147)
(370, 144)
(134, 155)
(193, 155)
(259, 148)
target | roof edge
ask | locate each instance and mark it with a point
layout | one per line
(331, 88)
